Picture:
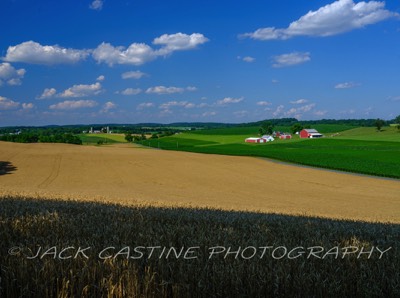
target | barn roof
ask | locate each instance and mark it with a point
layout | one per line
(311, 130)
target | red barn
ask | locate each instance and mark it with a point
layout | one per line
(310, 134)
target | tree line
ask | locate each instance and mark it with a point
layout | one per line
(141, 137)
(267, 127)
(29, 137)
(293, 121)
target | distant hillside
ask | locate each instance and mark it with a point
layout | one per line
(150, 127)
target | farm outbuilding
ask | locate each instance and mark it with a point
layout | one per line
(268, 138)
(255, 140)
(263, 139)
(285, 136)
(277, 134)
(310, 134)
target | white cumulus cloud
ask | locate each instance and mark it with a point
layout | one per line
(190, 106)
(130, 91)
(332, 19)
(136, 54)
(9, 75)
(320, 113)
(203, 105)
(100, 78)
(278, 111)
(300, 110)
(73, 104)
(178, 42)
(299, 101)
(168, 105)
(96, 5)
(34, 53)
(109, 105)
(7, 104)
(263, 103)
(290, 59)
(297, 112)
(47, 93)
(27, 106)
(346, 85)
(82, 90)
(191, 88)
(164, 90)
(249, 59)
(133, 75)
(140, 53)
(228, 100)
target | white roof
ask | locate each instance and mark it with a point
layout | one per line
(311, 130)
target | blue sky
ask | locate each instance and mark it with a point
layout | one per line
(131, 61)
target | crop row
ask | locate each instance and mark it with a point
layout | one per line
(59, 248)
(367, 157)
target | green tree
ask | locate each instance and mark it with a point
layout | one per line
(397, 121)
(266, 128)
(379, 123)
(296, 128)
(128, 137)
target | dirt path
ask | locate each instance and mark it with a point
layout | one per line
(127, 174)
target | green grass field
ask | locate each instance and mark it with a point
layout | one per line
(359, 150)
(236, 135)
(391, 134)
(253, 130)
(92, 139)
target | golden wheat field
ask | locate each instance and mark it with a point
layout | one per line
(128, 174)
(84, 221)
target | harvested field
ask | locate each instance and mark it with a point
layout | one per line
(128, 174)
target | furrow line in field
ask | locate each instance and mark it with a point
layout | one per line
(54, 172)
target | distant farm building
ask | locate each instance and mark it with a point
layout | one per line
(255, 140)
(263, 139)
(285, 136)
(282, 135)
(310, 134)
(103, 130)
(268, 138)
